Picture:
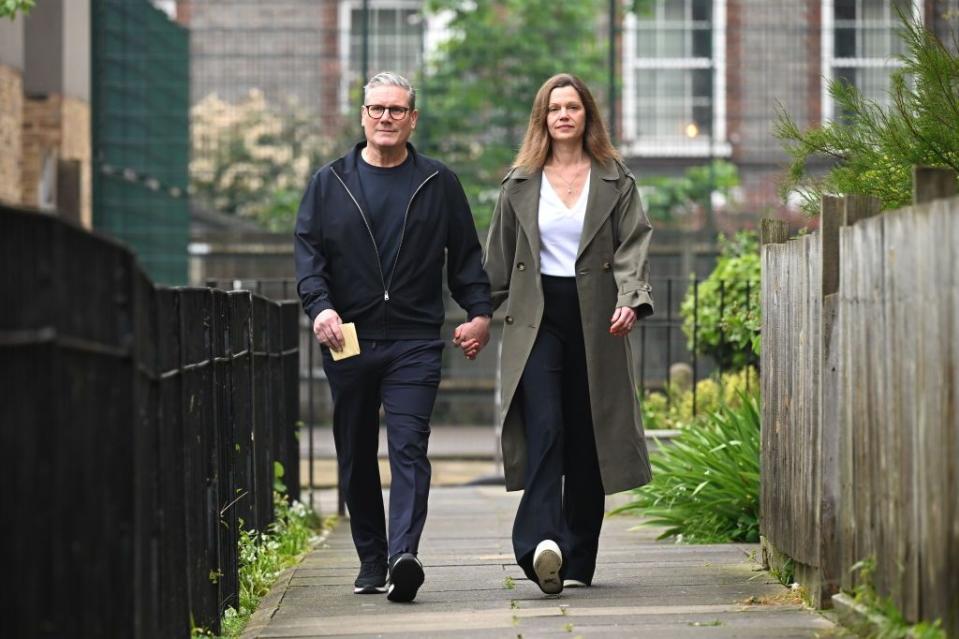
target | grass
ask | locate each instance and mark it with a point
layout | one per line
(705, 486)
(264, 555)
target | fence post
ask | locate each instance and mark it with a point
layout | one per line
(771, 232)
(930, 183)
(831, 219)
(290, 359)
(838, 512)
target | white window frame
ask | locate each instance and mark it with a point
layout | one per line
(714, 145)
(827, 39)
(345, 23)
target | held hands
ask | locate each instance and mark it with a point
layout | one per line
(622, 321)
(326, 328)
(472, 336)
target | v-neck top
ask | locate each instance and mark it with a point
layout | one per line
(560, 228)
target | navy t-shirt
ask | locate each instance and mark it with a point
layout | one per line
(387, 192)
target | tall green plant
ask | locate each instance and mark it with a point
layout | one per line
(480, 86)
(872, 149)
(705, 486)
(722, 318)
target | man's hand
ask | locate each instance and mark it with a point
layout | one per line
(622, 321)
(326, 327)
(472, 336)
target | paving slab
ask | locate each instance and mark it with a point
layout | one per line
(473, 590)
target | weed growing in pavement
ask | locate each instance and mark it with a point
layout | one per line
(886, 621)
(264, 554)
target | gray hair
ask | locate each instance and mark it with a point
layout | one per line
(390, 79)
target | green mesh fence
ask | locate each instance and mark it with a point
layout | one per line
(141, 130)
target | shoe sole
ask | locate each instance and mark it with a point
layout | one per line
(405, 579)
(574, 583)
(369, 590)
(546, 566)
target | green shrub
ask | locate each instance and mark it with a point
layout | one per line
(674, 408)
(10, 8)
(873, 149)
(724, 322)
(705, 486)
(263, 555)
(665, 197)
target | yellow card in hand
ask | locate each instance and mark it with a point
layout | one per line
(351, 345)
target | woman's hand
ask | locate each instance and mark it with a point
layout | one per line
(622, 321)
(472, 336)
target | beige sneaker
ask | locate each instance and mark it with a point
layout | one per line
(547, 560)
(574, 583)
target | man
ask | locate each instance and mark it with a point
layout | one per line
(372, 234)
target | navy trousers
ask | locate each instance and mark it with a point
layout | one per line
(564, 498)
(402, 376)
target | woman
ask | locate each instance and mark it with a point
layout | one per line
(567, 254)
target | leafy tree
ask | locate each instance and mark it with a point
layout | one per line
(667, 196)
(724, 317)
(479, 87)
(254, 159)
(10, 8)
(873, 149)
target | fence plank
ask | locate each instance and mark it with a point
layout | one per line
(199, 454)
(290, 365)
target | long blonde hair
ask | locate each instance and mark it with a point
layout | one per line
(537, 145)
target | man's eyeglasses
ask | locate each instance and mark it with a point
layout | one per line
(376, 111)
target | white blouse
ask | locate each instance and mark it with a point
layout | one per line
(559, 230)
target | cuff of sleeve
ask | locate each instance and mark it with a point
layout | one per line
(483, 308)
(316, 308)
(639, 300)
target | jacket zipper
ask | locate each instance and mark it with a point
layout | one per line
(369, 229)
(406, 216)
(386, 292)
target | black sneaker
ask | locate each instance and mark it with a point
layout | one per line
(372, 578)
(406, 577)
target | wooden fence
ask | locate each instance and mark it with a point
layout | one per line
(860, 381)
(140, 426)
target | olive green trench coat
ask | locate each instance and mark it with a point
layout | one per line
(611, 271)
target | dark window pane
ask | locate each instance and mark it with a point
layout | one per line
(845, 43)
(845, 9)
(703, 119)
(702, 83)
(702, 43)
(702, 10)
(846, 73)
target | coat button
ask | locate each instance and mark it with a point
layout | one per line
(605, 266)
(508, 319)
(521, 266)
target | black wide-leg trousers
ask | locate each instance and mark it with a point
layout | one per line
(403, 376)
(564, 498)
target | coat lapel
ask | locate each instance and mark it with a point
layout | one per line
(524, 197)
(603, 195)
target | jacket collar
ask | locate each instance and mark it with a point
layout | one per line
(523, 192)
(347, 169)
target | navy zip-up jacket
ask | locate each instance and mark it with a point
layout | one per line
(338, 264)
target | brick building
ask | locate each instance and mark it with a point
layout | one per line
(699, 79)
(45, 109)
(705, 78)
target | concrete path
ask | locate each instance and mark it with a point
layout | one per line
(643, 588)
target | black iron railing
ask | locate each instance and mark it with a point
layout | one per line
(140, 427)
